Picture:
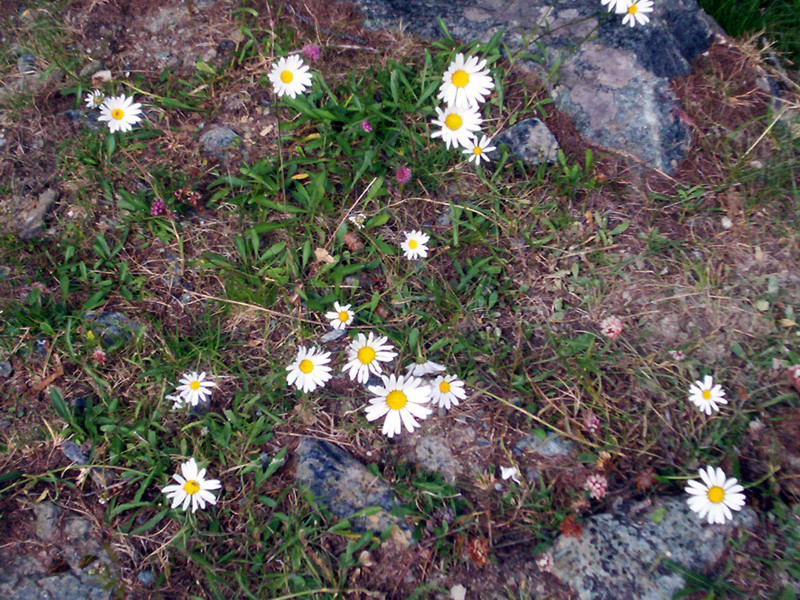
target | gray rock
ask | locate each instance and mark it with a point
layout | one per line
(90, 118)
(433, 454)
(530, 141)
(26, 64)
(345, 486)
(73, 452)
(215, 139)
(90, 69)
(615, 87)
(6, 369)
(146, 577)
(550, 446)
(332, 336)
(47, 515)
(113, 328)
(32, 223)
(624, 554)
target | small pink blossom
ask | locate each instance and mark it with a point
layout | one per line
(611, 327)
(596, 485)
(99, 356)
(545, 562)
(794, 376)
(591, 424)
(677, 355)
(366, 126)
(158, 208)
(311, 51)
(402, 175)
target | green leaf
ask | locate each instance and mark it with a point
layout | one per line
(61, 408)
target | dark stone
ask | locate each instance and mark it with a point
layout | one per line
(113, 328)
(215, 139)
(226, 46)
(73, 452)
(530, 141)
(623, 554)
(26, 64)
(6, 369)
(549, 446)
(611, 79)
(33, 222)
(146, 577)
(85, 117)
(345, 486)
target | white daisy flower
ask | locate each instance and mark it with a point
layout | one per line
(341, 316)
(194, 388)
(509, 473)
(424, 368)
(447, 390)
(458, 125)
(192, 487)
(365, 356)
(716, 497)
(415, 245)
(466, 82)
(95, 99)
(290, 76)
(635, 12)
(309, 369)
(400, 399)
(477, 149)
(617, 6)
(705, 395)
(120, 112)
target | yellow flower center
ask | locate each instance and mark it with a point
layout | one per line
(444, 387)
(396, 400)
(117, 114)
(344, 316)
(477, 150)
(633, 9)
(286, 77)
(716, 494)
(366, 355)
(191, 487)
(195, 385)
(706, 394)
(453, 122)
(413, 244)
(460, 78)
(306, 366)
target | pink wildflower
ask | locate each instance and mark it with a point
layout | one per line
(158, 208)
(402, 175)
(545, 562)
(611, 327)
(794, 376)
(596, 485)
(311, 51)
(677, 355)
(591, 424)
(366, 126)
(99, 356)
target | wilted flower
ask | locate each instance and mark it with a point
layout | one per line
(611, 327)
(99, 356)
(402, 175)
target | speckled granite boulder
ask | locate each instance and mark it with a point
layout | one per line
(615, 85)
(622, 554)
(345, 486)
(530, 141)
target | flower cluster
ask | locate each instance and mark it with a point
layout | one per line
(399, 399)
(465, 85)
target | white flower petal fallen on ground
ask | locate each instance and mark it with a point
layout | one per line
(400, 400)
(706, 396)
(192, 487)
(457, 125)
(341, 316)
(466, 82)
(716, 497)
(415, 245)
(309, 369)
(290, 76)
(509, 473)
(458, 592)
(365, 356)
(121, 113)
(425, 368)
(194, 388)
